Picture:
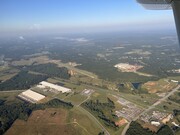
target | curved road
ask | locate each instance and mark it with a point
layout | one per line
(92, 116)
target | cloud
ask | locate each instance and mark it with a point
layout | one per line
(81, 40)
(35, 27)
(60, 38)
(21, 37)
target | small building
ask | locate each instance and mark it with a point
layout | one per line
(174, 81)
(155, 123)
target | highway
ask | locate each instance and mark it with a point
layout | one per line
(127, 126)
(151, 107)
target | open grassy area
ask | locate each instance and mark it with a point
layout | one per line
(2, 68)
(27, 62)
(54, 122)
(99, 95)
(76, 99)
(49, 121)
(7, 76)
(10, 97)
(177, 78)
(142, 99)
(168, 106)
(7, 73)
(89, 126)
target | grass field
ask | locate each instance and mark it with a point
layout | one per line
(7, 73)
(76, 99)
(10, 97)
(55, 121)
(177, 78)
(168, 106)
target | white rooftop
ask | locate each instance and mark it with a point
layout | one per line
(56, 87)
(30, 95)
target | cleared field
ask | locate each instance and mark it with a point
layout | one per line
(87, 124)
(175, 78)
(7, 73)
(76, 99)
(7, 77)
(162, 85)
(2, 68)
(10, 97)
(30, 61)
(54, 122)
(46, 122)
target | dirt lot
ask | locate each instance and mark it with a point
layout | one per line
(150, 127)
(162, 85)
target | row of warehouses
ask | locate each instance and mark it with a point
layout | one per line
(34, 97)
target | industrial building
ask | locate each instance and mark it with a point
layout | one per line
(58, 88)
(31, 96)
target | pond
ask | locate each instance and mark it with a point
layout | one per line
(136, 85)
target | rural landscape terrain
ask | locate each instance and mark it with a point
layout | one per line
(90, 84)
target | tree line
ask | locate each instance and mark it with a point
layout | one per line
(23, 80)
(49, 69)
(136, 129)
(9, 113)
(104, 111)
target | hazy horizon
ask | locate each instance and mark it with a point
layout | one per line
(66, 16)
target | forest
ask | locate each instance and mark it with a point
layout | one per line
(50, 70)
(23, 80)
(136, 129)
(104, 111)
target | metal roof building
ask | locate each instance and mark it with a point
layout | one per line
(54, 86)
(31, 96)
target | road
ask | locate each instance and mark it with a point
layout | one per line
(94, 118)
(90, 115)
(151, 107)
(158, 102)
(11, 91)
(84, 101)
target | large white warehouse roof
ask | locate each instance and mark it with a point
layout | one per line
(31, 96)
(56, 87)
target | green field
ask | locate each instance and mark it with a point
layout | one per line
(10, 97)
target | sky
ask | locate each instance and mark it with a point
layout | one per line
(80, 15)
